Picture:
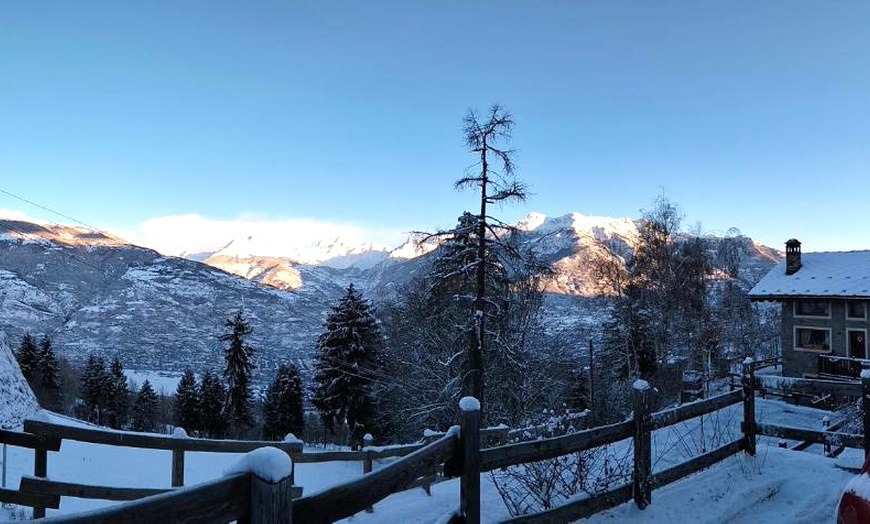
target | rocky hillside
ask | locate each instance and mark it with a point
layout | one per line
(16, 399)
(95, 293)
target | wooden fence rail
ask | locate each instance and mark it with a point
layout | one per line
(221, 500)
(231, 499)
(347, 499)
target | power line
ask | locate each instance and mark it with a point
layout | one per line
(58, 213)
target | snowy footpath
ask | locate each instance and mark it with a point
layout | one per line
(778, 485)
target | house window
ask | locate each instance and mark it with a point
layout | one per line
(812, 308)
(856, 310)
(815, 339)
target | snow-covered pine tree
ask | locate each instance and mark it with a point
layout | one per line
(282, 408)
(94, 386)
(348, 356)
(117, 395)
(237, 373)
(212, 398)
(187, 403)
(49, 370)
(145, 408)
(28, 358)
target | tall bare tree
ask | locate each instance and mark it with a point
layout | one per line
(493, 176)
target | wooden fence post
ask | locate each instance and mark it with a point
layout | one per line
(177, 468)
(749, 428)
(865, 405)
(642, 474)
(271, 502)
(469, 445)
(40, 469)
(367, 462)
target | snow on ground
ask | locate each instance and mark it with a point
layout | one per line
(777, 486)
(163, 382)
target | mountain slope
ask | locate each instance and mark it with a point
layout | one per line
(155, 312)
(17, 401)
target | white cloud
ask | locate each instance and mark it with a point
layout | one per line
(10, 214)
(192, 233)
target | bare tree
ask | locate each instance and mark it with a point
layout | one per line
(484, 138)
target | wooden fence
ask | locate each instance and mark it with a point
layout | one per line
(458, 451)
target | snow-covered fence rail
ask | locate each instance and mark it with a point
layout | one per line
(639, 429)
(221, 500)
(41, 445)
(347, 499)
(178, 446)
(817, 388)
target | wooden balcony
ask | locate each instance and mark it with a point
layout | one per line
(841, 367)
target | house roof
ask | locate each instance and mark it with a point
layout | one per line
(844, 274)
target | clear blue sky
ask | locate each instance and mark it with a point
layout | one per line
(748, 114)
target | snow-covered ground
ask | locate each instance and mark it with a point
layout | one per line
(777, 485)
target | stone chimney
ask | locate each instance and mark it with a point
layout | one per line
(792, 256)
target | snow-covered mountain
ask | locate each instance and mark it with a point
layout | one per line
(17, 401)
(94, 292)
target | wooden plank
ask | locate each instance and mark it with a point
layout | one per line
(696, 464)
(523, 452)
(352, 497)
(177, 468)
(469, 482)
(815, 387)
(810, 435)
(642, 471)
(38, 485)
(579, 509)
(271, 502)
(220, 500)
(354, 456)
(28, 440)
(10, 496)
(695, 409)
(152, 441)
(328, 456)
(749, 426)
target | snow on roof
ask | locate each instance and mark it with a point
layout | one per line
(827, 274)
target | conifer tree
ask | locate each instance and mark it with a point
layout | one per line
(212, 400)
(48, 390)
(282, 408)
(28, 359)
(94, 388)
(496, 185)
(117, 395)
(187, 402)
(348, 358)
(145, 408)
(238, 374)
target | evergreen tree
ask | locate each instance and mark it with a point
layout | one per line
(348, 358)
(282, 408)
(238, 374)
(117, 396)
(94, 387)
(47, 389)
(145, 408)
(187, 403)
(212, 399)
(28, 359)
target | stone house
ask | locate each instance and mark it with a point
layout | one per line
(825, 299)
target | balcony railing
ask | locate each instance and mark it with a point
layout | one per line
(846, 367)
